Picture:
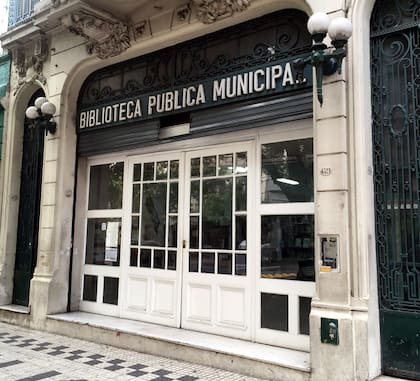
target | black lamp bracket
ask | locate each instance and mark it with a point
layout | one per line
(326, 61)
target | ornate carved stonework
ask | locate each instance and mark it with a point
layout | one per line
(210, 11)
(40, 55)
(19, 61)
(106, 36)
(183, 12)
(57, 3)
(140, 29)
(29, 62)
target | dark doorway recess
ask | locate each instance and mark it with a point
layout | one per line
(29, 205)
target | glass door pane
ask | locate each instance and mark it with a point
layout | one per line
(218, 213)
(154, 217)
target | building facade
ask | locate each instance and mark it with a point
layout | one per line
(4, 87)
(196, 183)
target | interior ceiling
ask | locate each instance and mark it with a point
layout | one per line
(135, 10)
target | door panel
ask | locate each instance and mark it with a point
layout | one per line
(216, 278)
(152, 273)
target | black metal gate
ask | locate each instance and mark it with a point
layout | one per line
(29, 203)
(395, 65)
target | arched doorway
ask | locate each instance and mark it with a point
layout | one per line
(29, 204)
(395, 57)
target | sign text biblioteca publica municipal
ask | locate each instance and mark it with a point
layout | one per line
(270, 79)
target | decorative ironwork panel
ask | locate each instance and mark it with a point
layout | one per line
(394, 15)
(243, 47)
(20, 11)
(395, 54)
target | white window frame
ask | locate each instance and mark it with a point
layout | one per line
(291, 339)
(102, 271)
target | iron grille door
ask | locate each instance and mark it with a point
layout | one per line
(395, 55)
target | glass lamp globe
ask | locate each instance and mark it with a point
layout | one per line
(39, 102)
(318, 23)
(32, 112)
(340, 29)
(48, 108)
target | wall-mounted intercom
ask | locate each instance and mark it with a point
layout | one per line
(329, 253)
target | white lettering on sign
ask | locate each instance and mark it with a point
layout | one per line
(176, 100)
(111, 114)
(288, 76)
(252, 82)
(270, 78)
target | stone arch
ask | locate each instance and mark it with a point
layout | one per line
(72, 85)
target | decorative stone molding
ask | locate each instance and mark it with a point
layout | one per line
(40, 55)
(183, 12)
(140, 29)
(57, 3)
(106, 37)
(29, 61)
(210, 11)
(18, 59)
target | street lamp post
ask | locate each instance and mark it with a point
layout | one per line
(41, 115)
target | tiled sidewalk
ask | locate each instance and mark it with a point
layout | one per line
(28, 355)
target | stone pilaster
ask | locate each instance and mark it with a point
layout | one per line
(333, 210)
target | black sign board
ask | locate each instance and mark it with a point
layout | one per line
(248, 61)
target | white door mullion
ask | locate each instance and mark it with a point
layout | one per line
(125, 232)
(293, 318)
(252, 232)
(181, 236)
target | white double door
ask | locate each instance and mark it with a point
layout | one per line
(187, 262)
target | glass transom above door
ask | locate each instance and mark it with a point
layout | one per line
(216, 295)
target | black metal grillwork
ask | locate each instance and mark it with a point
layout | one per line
(395, 55)
(243, 47)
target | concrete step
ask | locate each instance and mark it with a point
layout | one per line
(251, 359)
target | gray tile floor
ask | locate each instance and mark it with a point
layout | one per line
(28, 355)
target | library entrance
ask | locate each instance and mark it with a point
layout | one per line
(185, 242)
(178, 238)
(195, 191)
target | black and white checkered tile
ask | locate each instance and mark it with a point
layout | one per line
(118, 368)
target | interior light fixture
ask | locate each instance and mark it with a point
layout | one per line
(287, 181)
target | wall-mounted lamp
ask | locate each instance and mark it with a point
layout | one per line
(42, 115)
(326, 60)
